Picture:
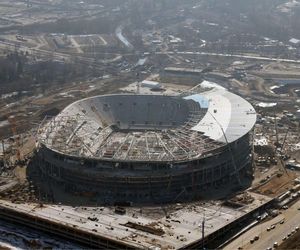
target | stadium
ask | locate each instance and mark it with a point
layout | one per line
(149, 148)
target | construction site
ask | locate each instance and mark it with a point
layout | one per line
(72, 186)
(149, 125)
(153, 148)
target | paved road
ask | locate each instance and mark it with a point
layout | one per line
(122, 38)
(267, 239)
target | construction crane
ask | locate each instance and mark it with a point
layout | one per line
(280, 152)
(276, 130)
(13, 125)
(230, 150)
(284, 140)
(277, 144)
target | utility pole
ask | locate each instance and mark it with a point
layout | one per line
(203, 229)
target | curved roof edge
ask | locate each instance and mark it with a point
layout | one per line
(229, 116)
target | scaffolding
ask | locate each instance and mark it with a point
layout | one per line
(79, 135)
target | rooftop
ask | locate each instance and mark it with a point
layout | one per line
(169, 227)
(150, 127)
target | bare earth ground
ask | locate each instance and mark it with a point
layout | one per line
(292, 243)
(277, 185)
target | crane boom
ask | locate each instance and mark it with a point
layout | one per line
(13, 124)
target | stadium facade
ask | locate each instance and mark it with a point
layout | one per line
(149, 148)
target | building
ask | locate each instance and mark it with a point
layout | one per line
(173, 74)
(183, 71)
(294, 41)
(149, 148)
(151, 84)
(298, 114)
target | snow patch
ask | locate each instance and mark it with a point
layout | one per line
(208, 85)
(266, 104)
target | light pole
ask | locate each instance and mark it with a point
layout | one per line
(203, 228)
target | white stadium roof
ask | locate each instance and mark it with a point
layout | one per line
(130, 127)
(226, 111)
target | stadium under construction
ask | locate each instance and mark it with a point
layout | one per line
(149, 148)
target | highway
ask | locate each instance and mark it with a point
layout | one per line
(240, 56)
(122, 38)
(266, 239)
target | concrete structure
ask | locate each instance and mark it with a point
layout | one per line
(149, 148)
(173, 74)
(294, 41)
(174, 71)
(298, 114)
(178, 227)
